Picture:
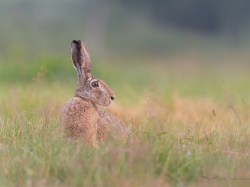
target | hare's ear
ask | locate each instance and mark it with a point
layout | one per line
(80, 58)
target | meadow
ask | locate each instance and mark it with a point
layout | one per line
(188, 116)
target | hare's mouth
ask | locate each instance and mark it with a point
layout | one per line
(108, 103)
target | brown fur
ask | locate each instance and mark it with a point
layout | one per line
(107, 124)
(80, 116)
(75, 114)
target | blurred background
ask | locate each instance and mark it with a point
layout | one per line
(180, 73)
(139, 42)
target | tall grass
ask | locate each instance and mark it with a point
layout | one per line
(188, 127)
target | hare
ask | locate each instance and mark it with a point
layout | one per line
(80, 117)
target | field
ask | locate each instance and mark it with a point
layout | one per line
(189, 122)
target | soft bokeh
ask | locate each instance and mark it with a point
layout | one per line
(180, 73)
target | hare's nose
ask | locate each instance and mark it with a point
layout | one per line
(112, 98)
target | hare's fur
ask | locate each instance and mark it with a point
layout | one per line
(107, 124)
(80, 117)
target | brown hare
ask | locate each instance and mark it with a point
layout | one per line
(80, 117)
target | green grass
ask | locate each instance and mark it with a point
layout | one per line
(184, 96)
(182, 128)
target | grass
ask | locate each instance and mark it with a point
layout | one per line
(189, 126)
(188, 112)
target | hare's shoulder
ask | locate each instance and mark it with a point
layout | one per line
(79, 112)
(77, 105)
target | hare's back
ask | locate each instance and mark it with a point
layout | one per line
(77, 113)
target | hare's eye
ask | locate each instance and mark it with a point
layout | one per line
(95, 84)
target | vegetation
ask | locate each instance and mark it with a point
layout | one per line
(187, 125)
(184, 95)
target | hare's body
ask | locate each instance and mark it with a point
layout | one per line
(107, 124)
(80, 116)
(79, 119)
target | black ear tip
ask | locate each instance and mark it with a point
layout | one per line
(76, 42)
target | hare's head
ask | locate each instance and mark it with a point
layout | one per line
(88, 86)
